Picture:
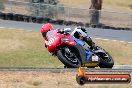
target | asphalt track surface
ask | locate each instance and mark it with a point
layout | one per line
(108, 34)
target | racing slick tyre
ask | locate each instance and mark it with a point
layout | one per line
(106, 60)
(106, 63)
(68, 57)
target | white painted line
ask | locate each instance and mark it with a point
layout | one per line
(114, 40)
(21, 29)
(96, 38)
(130, 42)
(11, 28)
(122, 66)
(14, 28)
(2, 27)
(122, 41)
(91, 37)
(111, 40)
(106, 39)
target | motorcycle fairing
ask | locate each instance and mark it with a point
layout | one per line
(54, 40)
(81, 52)
(70, 42)
(88, 53)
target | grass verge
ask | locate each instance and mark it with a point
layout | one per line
(19, 48)
(24, 49)
(114, 5)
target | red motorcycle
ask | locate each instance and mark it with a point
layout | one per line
(71, 52)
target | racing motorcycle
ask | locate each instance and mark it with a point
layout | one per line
(72, 52)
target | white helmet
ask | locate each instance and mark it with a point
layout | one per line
(79, 31)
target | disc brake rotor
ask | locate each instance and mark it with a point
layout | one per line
(70, 56)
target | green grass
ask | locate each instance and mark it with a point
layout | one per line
(26, 49)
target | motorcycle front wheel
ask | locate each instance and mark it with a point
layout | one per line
(69, 57)
(106, 60)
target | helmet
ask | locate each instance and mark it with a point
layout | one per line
(79, 31)
(45, 28)
(82, 28)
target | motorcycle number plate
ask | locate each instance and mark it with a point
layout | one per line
(95, 58)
